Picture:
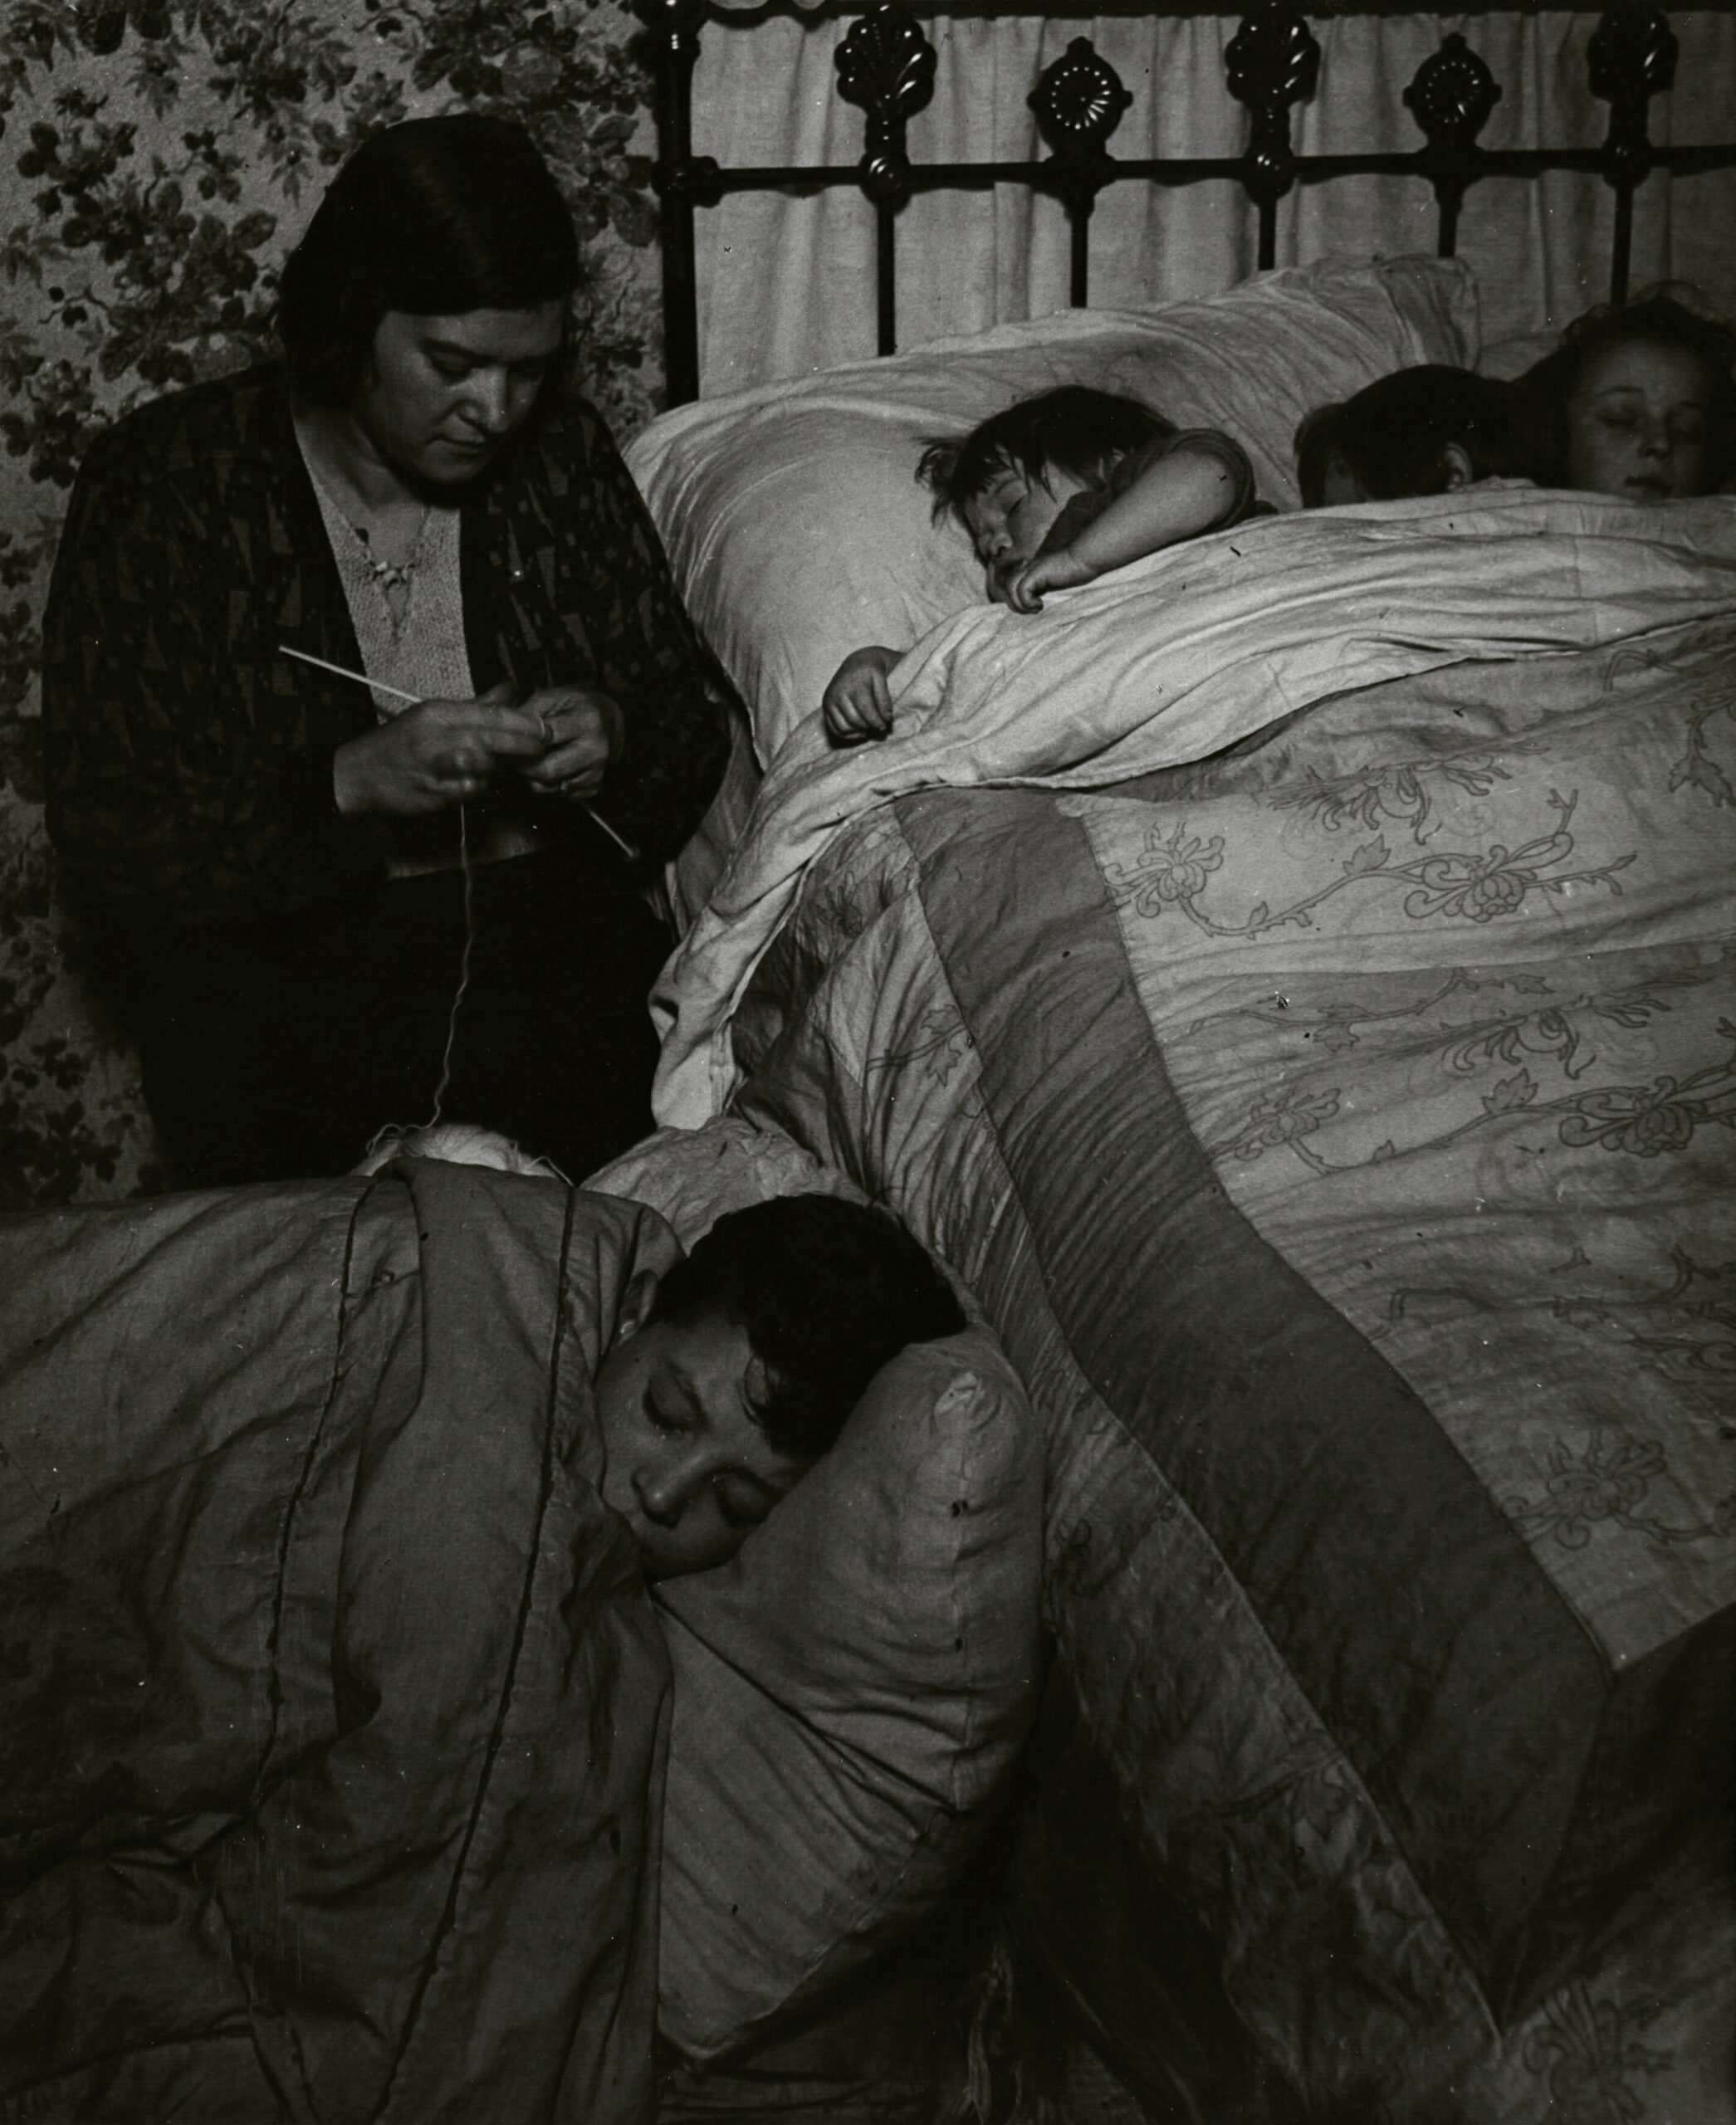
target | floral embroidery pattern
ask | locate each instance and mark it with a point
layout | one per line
(1398, 794)
(942, 1042)
(1697, 770)
(1591, 2052)
(1606, 1482)
(1171, 873)
(1563, 1032)
(1687, 1330)
(1642, 1120)
(1172, 870)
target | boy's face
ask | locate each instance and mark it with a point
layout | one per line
(686, 1462)
(1012, 516)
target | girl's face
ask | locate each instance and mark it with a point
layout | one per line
(1012, 516)
(1636, 422)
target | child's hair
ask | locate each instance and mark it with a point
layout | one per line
(1656, 317)
(827, 1290)
(1393, 436)
(1071, 429)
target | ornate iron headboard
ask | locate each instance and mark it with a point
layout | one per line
(886, 66)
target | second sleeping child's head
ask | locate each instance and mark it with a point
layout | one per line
(1009, 478)
(1423, 431)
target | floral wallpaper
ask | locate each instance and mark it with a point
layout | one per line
(158, 160)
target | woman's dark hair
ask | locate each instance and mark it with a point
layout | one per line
(1393, 436)
(436, 216)
(828, 1291)
(1654, 318)
(1071, 429)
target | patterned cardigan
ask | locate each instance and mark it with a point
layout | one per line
(190, 763)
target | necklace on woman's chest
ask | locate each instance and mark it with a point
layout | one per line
(390, 574)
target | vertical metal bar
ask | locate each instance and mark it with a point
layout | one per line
(1078, 218)
(886, 218)
(676, 32)
(1622, 244)
(1271, 62)
(1450, 98)
(1631, 59)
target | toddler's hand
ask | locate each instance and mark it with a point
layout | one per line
(1062, 570)
(857, 703)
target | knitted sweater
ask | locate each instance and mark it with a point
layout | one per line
(190, 763)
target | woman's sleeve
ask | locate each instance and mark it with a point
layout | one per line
(675, 699)
(173, 794)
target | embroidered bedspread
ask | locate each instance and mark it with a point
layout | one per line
(1340, 1135)
(1179, 656)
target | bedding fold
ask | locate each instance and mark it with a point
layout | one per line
(1180, 656)
(335, 1710)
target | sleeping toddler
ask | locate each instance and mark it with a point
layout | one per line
(1055, 491)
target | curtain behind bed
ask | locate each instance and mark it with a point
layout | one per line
(787, 285)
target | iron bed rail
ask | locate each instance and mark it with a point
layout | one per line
(886, 63)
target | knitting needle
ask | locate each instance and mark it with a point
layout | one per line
(414, 701)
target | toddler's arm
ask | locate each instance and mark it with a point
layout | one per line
(856, 704)
(1189, 489)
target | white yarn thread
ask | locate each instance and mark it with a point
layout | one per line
(468, 871)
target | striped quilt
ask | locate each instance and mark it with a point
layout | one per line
(1340, 1135)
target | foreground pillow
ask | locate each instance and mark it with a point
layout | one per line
(848, 1694)
(792, 516)
(851, 1690)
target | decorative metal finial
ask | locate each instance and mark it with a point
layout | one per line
(1272, 61)
(1079, 100)
(1452, 95)
(886, 67)
(1632, 54)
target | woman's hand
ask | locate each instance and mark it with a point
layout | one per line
(434, 756)
(584, 732)
(857, 703)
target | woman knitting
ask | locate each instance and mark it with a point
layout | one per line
(370, 705)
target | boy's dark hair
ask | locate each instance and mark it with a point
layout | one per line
(436, 216)
(1392, 437)
(1654, 318)
(828, 1291)
(1071, 429)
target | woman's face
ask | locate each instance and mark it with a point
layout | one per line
(442, 394)
(1636, 422)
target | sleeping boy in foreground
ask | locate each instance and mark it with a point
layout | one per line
(1054, 491)
(332, 1704)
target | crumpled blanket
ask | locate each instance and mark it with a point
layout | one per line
(1179, 656)
(332, 1709)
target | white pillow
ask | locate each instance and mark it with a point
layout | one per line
(791, 513)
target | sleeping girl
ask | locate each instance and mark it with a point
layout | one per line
(1055, 491)
(1638, 401)
(1425, 431)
